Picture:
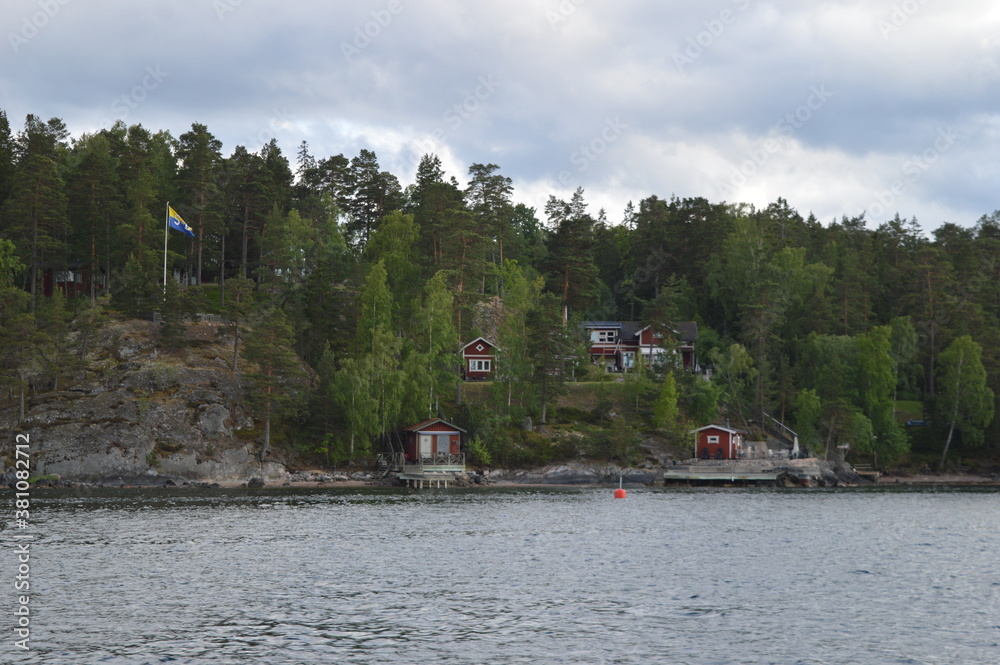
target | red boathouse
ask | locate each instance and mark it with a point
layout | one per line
(433, 439)
(717, 442)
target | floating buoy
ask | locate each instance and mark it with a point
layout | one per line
(620, 492)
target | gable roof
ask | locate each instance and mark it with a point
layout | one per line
(478, 339)
(431, 421)
(688, 331)
(720, 427)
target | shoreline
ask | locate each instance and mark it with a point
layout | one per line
(919, 480)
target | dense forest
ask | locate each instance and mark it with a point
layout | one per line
(347, 297)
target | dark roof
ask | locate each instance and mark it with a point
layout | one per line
(688, 331)
(430, 421)
(630, 329)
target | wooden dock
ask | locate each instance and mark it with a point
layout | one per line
(426, 471)
(742, 473)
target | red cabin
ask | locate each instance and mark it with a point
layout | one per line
(617, 343)
(718, 442)
(432, 439)
(478, 360)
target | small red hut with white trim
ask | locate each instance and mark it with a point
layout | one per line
(717, 442)
(432, 439)
(479, 362)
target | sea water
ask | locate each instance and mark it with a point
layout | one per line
(302, 576)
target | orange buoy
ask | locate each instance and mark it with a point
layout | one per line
(620, 493)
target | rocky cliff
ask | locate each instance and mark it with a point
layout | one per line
(136, 412)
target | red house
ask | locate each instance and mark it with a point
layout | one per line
(478, 359)
(717, 442)
(73, 282)
(618, 342)
(431, 440)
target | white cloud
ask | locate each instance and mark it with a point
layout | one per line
(899, 72)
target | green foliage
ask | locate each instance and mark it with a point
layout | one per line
(665, 410)
(965, 400)
(702, 400)
(620, 444)
(172, 325)
(10, 264)
(639, 383)
(826, 324)
(877, 383)
(479, 453)
(808, 410)
(276, 382)
(139, 293)
(736, 373)
(549, 347)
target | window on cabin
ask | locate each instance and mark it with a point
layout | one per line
(713, 438)
(479, 365)
(605, 336)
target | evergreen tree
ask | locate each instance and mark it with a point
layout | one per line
(374, 195)
(665, 409)
(239, 305)
(172, 319)
(34, 215)
(513, 370)
(139, 293)
(570, 263)
(140, 234)
(549, 347)
(7, 150)
(488, 196)
(276, 380)
(93, 204)
(200, 154)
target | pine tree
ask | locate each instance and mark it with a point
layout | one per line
(34, 217)
(549, 348)
(276, 380)
(573, 273)
(488, 196)
(93, 203)
(200, 155)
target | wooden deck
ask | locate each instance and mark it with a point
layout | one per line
(434, 471)
(722, 474)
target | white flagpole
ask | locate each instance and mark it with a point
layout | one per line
(166, 227)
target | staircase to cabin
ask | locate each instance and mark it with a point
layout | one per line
(781, 433)
(389, 462)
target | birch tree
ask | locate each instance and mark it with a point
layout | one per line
(965, 398)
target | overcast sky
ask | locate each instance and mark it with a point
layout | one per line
(840, 106)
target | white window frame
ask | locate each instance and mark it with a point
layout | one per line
(713, 438)
(479, 365)
(605, 336)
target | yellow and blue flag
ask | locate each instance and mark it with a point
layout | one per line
(175, 222)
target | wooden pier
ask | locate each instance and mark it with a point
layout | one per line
(426, 470)
(743, 473)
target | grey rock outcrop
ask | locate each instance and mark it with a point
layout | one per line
(578, 474)
(178, 415)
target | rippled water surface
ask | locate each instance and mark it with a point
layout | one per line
(511, 576)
